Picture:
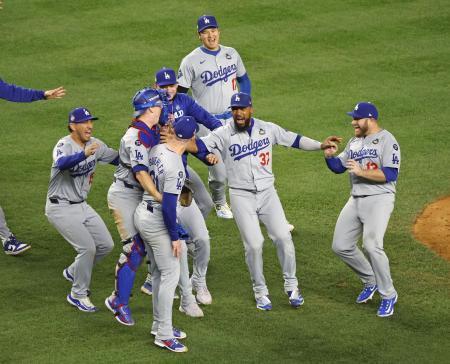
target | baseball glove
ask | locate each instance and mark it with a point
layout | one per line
(186, 196)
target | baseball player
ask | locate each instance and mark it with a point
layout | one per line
(10, 92)
(131, 179)
(213, 72)
(246, 149)
(372, 159)
(182, 105)
(156, 223)
(75, 158)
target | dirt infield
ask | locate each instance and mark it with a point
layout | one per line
(432, 227)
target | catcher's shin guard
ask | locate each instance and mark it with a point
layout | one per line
(129, 261)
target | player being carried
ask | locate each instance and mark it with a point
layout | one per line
(246, 149)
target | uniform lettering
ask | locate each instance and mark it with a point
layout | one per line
(361, 154)
(223, 73)
(252, 148)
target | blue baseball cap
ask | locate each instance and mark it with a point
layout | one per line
(165, 76)
(364, 110)
(80, 115)
(185, 127)
(205, 22)
(241, 99)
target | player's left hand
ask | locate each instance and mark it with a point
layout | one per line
(212, 159)
(176, 248)
(331, 142)
(354, 167)
(57, 93)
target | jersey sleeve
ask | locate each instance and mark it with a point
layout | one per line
(185, 73)
(201, 115)
(61, 149)
(105, 153)
(174, 180)
(215, 139)
(138, 150)
(282, 136)
(15, 93)
(343, 156)
(391, 152)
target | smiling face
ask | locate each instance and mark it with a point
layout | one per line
(82, 132)
(210, 38)
(361, 127)
(241, 117)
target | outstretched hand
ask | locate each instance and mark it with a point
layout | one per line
(57, 93)
(330, 145)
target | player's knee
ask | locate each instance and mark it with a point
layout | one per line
(254, 249)
(337, 248)
(373, 248)
(89, 251)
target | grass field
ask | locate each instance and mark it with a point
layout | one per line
(309, 62)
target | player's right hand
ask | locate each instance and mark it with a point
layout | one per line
(91, 149)
(176, 248)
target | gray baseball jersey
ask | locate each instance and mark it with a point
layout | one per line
(211, 77)
(74, 183)
(248, 157)
(375, 151)
(133, 151)
(167, 170)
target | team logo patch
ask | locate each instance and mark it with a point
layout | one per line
(227, 56)
(262, 132)
(180, 74)
(395, 146)
(60, 144)
(180, 174)
(375, 141)
(137, 143)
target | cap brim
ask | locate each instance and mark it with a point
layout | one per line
(84, 120)
(166, 83)
(354, 115)
(207, 27)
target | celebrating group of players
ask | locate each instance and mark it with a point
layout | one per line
(159, 203)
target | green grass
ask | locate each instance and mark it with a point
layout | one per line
(309, 62)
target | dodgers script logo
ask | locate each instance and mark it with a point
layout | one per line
(222, 74)
(361, 154)
(83, 169)
(252, 148)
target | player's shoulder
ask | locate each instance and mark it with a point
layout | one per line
(192, 55)
(183, 98)
(64, 141)
(229, 50)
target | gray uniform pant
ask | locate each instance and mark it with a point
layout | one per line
(122, 202)
(192, 220)
(165, 271)
(85, 230)
(4, 231)
(249, 207)
(200, 193)
(369, 217)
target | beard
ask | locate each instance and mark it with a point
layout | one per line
(242, 127)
